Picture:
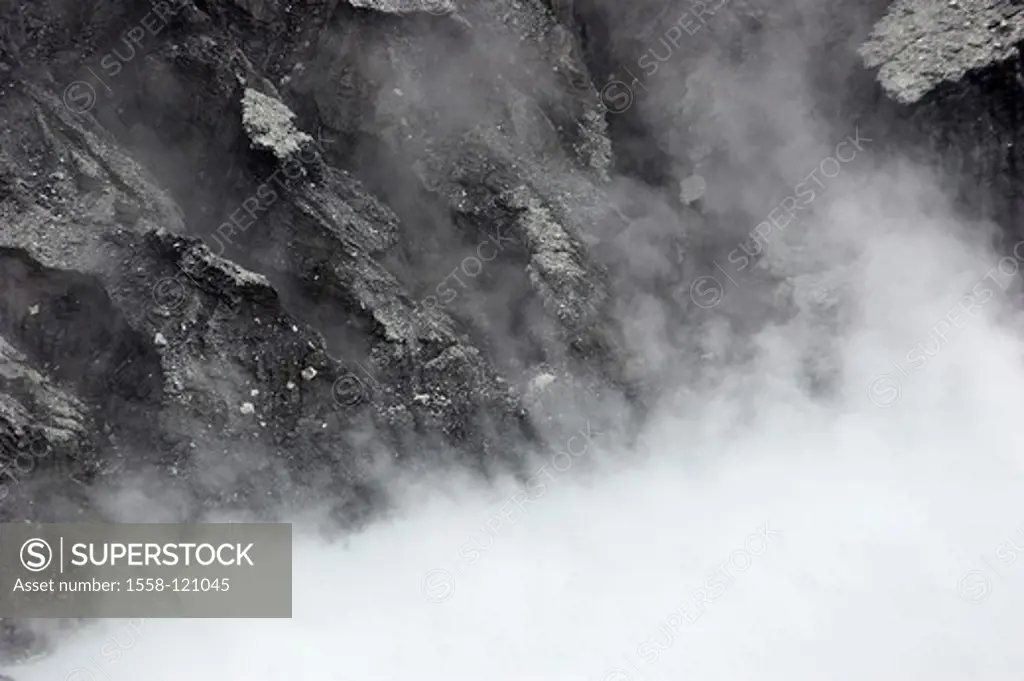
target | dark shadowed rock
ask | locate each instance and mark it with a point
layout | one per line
(208, 251)
(274, 247)
(920, 44)
(954, 72)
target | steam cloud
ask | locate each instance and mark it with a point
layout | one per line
(821, 504)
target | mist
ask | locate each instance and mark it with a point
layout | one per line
(839, 500)
(756, 531)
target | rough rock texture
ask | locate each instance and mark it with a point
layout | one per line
(227, 238)
(245, 237)
(920, 44)
(257, 231)
(258, 249)
(954, 72)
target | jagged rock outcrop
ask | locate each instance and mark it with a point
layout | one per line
(229, 234)
(227, 238)
(920, 45)
(41, 426)
(260, 248)
(299, 225)
(954, 72)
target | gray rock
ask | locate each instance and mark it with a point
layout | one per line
(953, 70)
(922, 43)
(406, 6)
(188, 246)
(269, 124)
(284, 226)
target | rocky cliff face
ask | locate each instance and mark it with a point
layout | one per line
(954, 74)
(250, 231)
(257, 249)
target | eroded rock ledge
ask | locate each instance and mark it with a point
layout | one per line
(209, 265)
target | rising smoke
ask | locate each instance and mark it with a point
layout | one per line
(837, 497)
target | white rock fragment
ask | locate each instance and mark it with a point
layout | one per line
(254, 392)
(34, 310)
(247, 408)
(435, 7)
(309, 373)
(160, 340)
(290, 385)
(540, 382)
(270, 124)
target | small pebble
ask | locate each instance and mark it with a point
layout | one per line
(247, 408)
(309, 373)
(160, 340)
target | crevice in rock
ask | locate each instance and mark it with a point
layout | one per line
(68, 326)
(66, 322)
(629, 134)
